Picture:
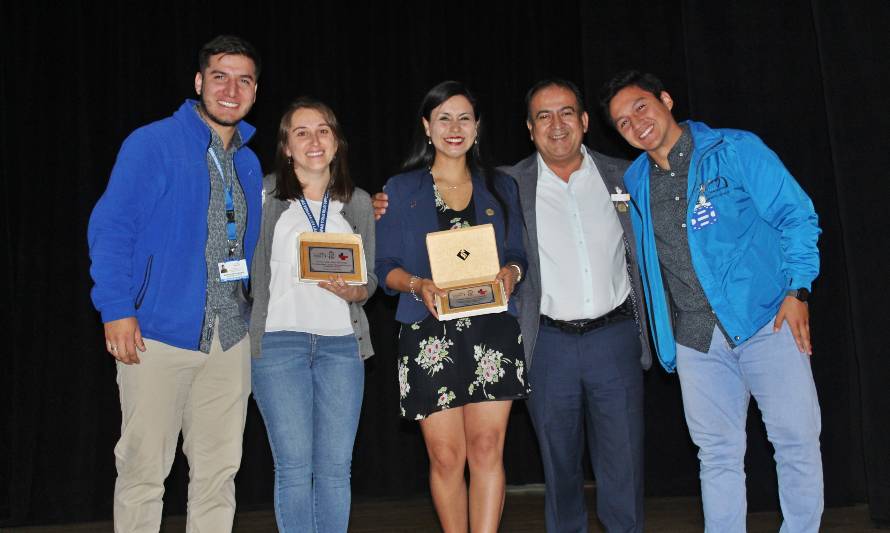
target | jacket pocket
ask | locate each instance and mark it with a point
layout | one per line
(144, 287)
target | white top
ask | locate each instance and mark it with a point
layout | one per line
(296, 306)
(580, 243)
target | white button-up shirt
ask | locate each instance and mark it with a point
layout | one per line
(580, 244)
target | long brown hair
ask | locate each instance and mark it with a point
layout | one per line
(287, 185)
(423, 154)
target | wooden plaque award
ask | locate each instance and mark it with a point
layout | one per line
(323, 255)
(464, 262)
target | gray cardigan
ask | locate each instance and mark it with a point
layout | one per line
(359, 214)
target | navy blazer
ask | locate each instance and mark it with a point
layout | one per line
(411, 214)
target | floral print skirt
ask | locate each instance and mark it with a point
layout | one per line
(456, 362)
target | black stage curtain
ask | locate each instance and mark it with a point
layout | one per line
(809, 76)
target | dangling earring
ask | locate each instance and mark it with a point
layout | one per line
(476, 141)
(290, 160)
(429, 140)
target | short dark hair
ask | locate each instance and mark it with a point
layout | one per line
(228, 44)
(552, 82)
(287, 185)
(644, 80)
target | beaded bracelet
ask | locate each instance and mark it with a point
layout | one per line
(411, 288)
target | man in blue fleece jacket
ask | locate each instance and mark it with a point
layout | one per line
(170, 241)
(726, 242)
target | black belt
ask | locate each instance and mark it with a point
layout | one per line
(622, 312)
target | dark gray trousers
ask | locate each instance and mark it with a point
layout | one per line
(590, 380)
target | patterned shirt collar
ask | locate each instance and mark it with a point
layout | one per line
(680, 154)
(216, 141)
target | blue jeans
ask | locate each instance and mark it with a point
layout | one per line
(717, 387)
(309, 391)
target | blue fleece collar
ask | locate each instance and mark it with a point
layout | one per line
(195, 125)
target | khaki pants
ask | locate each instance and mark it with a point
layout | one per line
(205, 396)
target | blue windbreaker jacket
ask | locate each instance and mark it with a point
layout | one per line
(148, 231)
(763, 243)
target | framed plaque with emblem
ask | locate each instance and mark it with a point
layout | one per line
(464, 263)
(323, 255)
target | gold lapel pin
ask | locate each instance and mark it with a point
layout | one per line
(489, 212)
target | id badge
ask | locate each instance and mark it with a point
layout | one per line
(233, 270)
(620, 199)
(703, 215)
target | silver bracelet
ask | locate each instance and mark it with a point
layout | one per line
(411, 288)
(518, 271)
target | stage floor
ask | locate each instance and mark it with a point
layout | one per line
(523, 513)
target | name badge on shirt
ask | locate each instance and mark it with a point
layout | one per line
(232, 270)
(703, 215)
(620, 199)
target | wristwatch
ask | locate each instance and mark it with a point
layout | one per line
(801, 294)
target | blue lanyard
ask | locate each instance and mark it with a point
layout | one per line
(231, 226)
(323, 215)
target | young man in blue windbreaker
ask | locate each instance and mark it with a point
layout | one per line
(170, 241)
(726, 242)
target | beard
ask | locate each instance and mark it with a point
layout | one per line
(213, 118)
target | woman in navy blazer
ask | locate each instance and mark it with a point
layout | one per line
(457, 377)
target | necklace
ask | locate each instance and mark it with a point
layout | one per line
(440, 184)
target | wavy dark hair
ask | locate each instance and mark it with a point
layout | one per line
(229, 44)
(644, 80)
(423, 154)
(287, 185)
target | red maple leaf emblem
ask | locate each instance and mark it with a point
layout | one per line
(482, 292)
(343, 257)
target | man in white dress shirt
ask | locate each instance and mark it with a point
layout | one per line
(581, 317)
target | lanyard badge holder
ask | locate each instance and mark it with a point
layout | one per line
(703, 214)
(232, 268)
(317, 226)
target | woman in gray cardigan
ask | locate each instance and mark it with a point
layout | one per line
(308, 340)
